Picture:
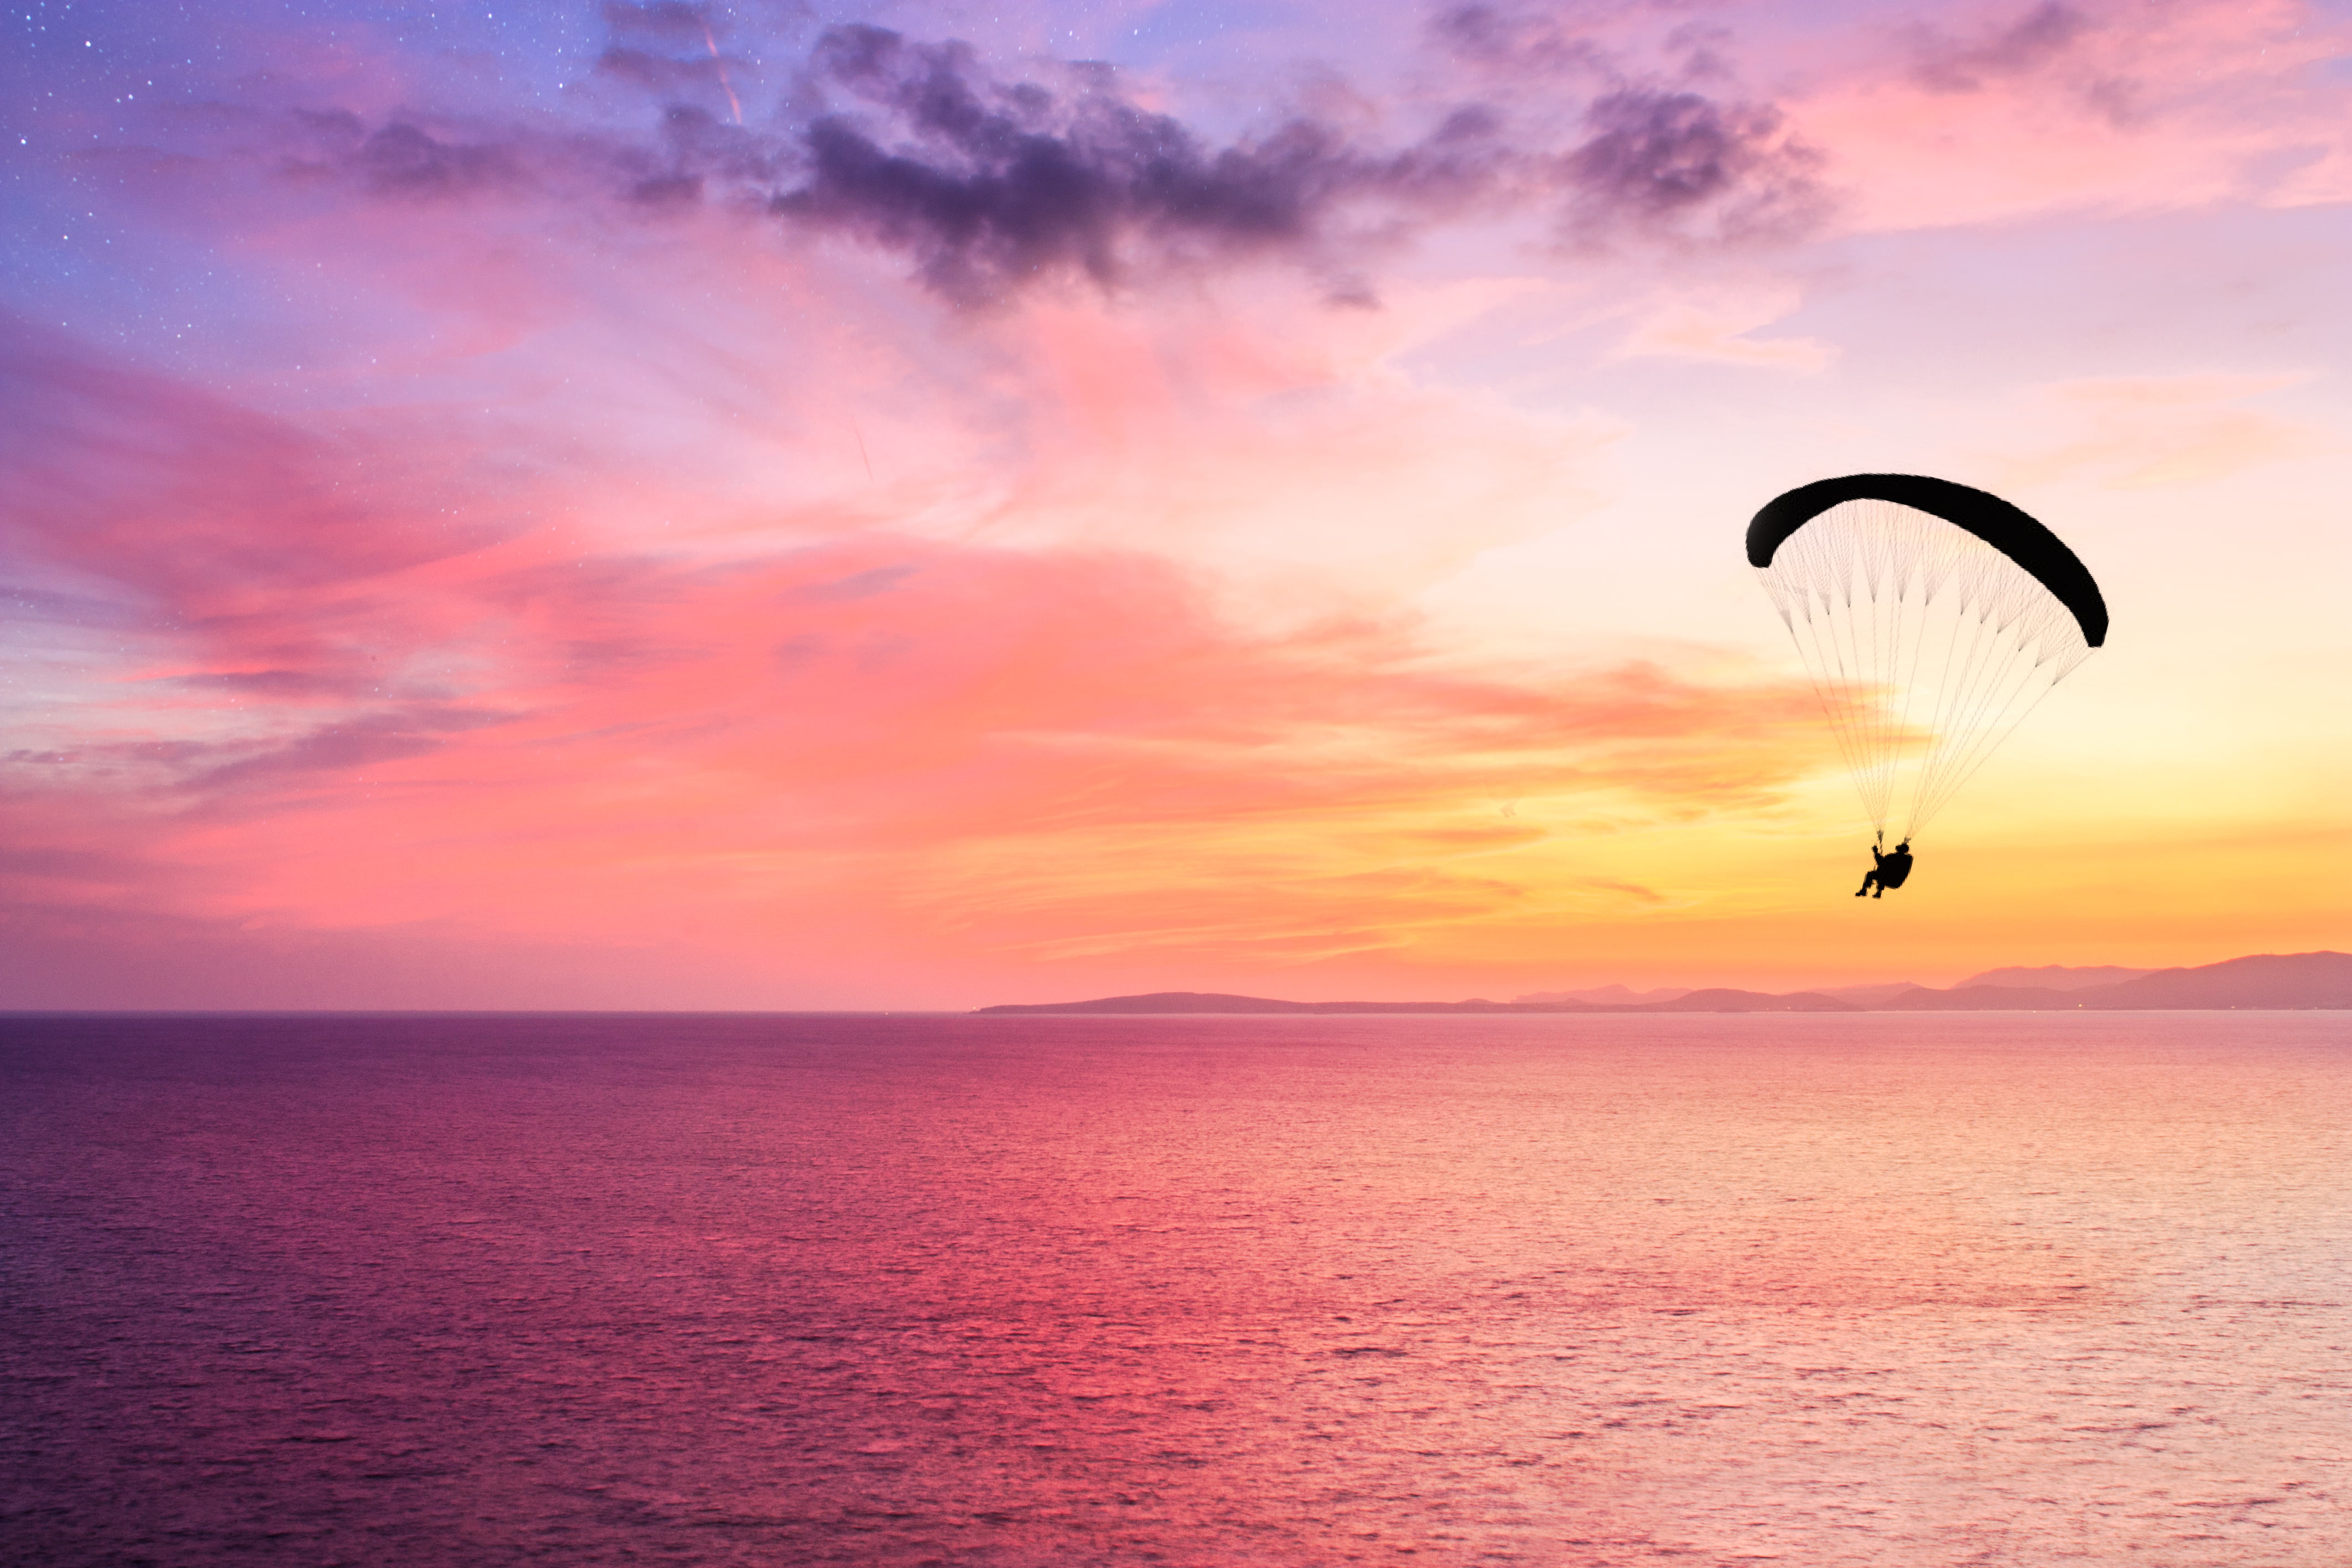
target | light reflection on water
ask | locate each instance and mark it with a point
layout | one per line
(1912, 1290)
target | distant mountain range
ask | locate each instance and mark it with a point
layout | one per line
(2268, 981)
(2049, 977)
(2058, 977)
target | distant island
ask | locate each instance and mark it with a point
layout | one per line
(2293, 981)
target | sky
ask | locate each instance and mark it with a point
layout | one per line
(918, 506)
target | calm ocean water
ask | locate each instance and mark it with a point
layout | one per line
(1898, 1290)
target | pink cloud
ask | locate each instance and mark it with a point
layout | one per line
(675, 739)
(2146, 432)
(1722, 324)
(345, 712)
(1995, 114)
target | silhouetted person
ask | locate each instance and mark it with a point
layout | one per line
(1889, 872)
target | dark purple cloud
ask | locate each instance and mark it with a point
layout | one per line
(402, 158)
(1668, 162)
(1518, 42)
(988, 185)
(1947, 65)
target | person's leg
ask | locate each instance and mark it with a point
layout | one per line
(1867, 878)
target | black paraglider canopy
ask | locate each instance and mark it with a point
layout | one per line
(1990, 518)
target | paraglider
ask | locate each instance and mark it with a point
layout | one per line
(1932, 618)
(1891, 870)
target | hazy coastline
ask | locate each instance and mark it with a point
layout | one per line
(2292, 981)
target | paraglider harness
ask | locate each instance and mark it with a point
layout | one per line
(1892, 870)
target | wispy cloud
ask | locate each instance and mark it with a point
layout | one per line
(2140, 432)
(1016, 751)
(1722, 325)
(344, 708)
(1943, 63)
(1989, 114)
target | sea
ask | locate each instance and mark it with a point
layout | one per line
(1903, 1290)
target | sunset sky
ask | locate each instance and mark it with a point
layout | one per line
(753, 506)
